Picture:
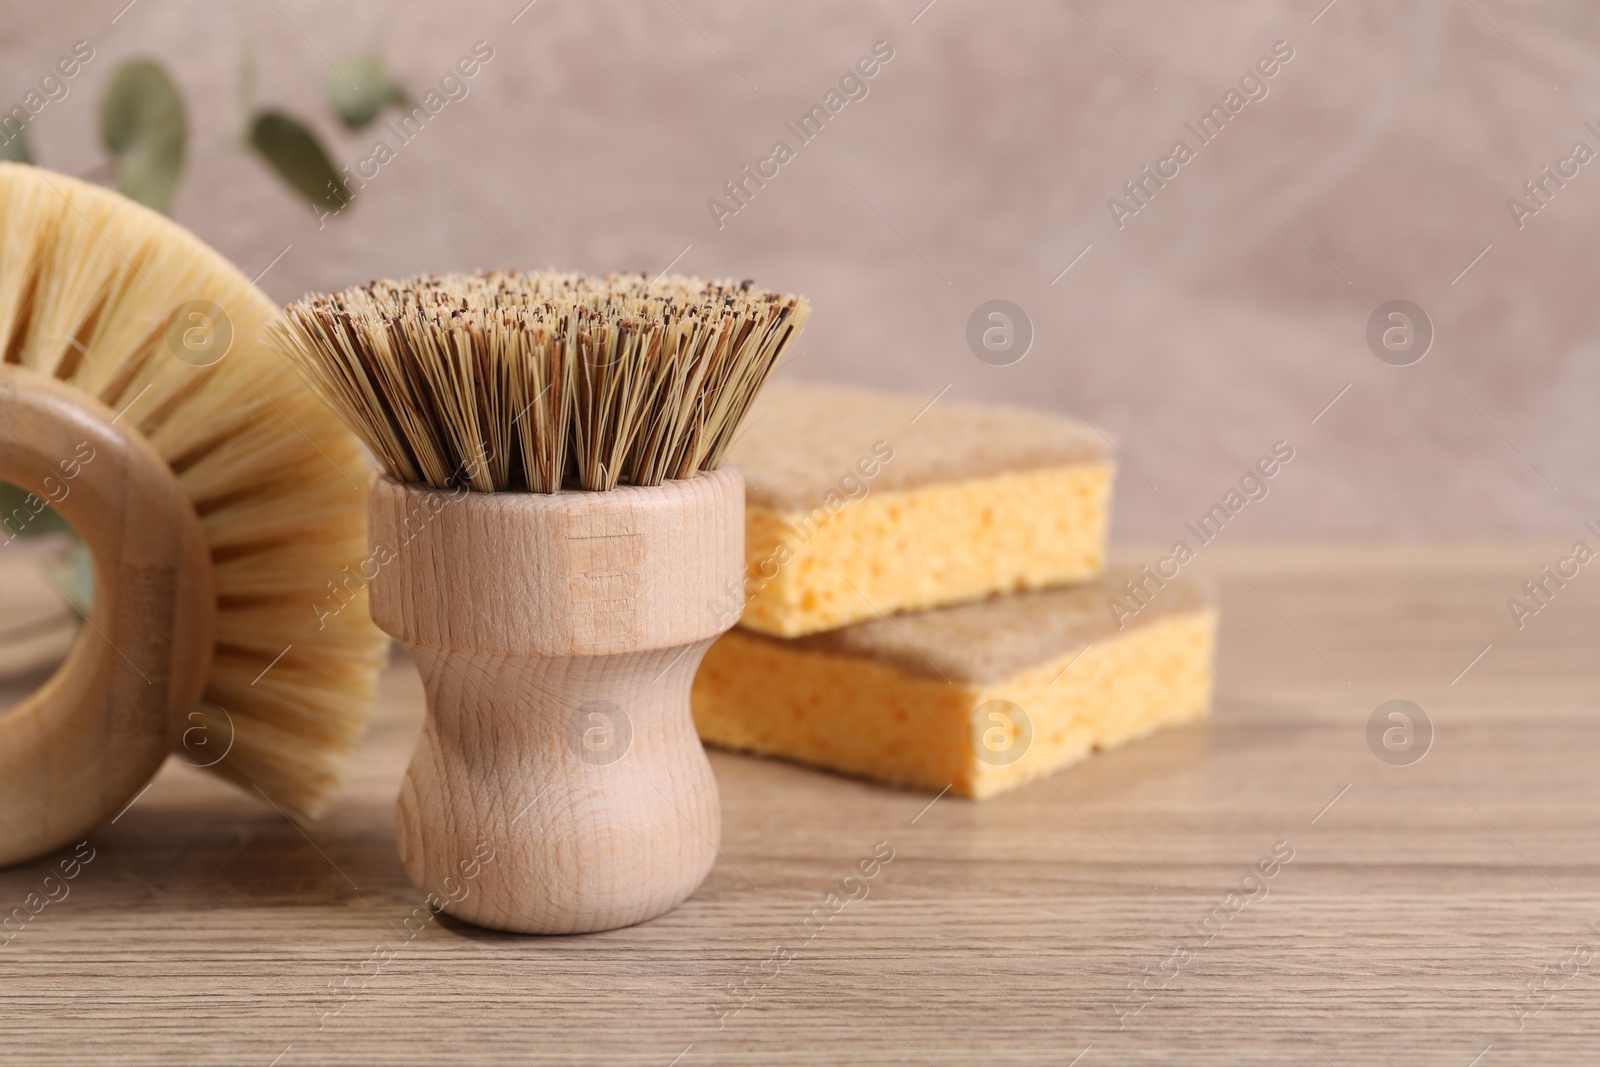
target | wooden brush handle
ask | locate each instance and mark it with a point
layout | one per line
(77, 750)
(559, 786)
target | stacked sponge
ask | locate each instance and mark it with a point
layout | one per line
(925, 600)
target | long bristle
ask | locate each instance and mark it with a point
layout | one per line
(511, 381)
(90, 284)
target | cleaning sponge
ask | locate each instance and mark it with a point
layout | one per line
(861, 504)
(979, 697)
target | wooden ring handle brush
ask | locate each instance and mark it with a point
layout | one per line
(217, 498)
(551, 543)
(73, 752)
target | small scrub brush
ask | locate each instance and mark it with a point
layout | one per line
(549, 541)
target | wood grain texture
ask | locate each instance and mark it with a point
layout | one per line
(558, 786)
(1416, 909)
(93, 735)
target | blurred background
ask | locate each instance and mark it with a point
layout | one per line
(978, 162)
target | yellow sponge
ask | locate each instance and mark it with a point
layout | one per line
(980, 697)
(861, 504)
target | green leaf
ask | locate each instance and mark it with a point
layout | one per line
(293, 151)
(24, 514)
(142, 123)
(14, 146)
(359, 87)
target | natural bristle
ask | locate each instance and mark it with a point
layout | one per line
(90, 287)
(511, 381)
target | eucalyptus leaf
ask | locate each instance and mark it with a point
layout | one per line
(14, 145)
(359, 87)
(142, 124)
(293, 151)
(24, 514)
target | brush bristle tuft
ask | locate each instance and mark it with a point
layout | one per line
(511, 381)
(91, 285)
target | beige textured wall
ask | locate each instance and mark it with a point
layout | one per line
(978, 166)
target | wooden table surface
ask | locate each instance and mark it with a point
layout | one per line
(1436, 913)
